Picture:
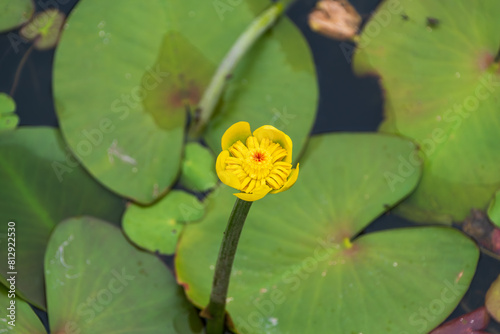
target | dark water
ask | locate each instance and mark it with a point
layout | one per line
(347, 103)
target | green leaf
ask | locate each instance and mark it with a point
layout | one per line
(436, 63)
(296, 271)
(198, 168)
(44, 29)
(97, 282)
(8, 119)
(42, 184)
(157, 227)
(275, 84)
(143, 66)
(492, 299)
(18, 314)
(494, 209)
(15, 13)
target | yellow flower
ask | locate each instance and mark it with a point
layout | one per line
(256, 164)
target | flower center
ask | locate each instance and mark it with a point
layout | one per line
(257, 164)
(258, 156)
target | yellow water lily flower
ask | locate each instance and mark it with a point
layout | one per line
(258, 163)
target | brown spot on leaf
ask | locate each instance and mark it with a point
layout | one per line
(432, 22)
(485, 61)
(188, 94)
(177, 80)
(478, 226)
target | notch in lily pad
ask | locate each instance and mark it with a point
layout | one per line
(44, 29)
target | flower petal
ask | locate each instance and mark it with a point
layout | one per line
(237, 131)
(226, 177)
(229, 179)
(277, 136)
(256, 195)
(290, 182)
(220, 164)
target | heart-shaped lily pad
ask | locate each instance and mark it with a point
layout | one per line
(97, 282)
(198, 168)
(297, 269)
(17, 316)
(140, 67)
(436, 60)
(44, 29)
(42, 184)
(157, 227)
(15, 13)
(8, 119)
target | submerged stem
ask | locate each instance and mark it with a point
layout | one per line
(19, 70)
(214, 90)
(216, 308)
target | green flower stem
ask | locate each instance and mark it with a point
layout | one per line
(214, 91)
(216, 309)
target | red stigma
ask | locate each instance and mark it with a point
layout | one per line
(258, 156)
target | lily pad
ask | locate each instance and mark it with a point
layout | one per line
(144, 66)
(44, 29)
(157, 227)
(436, 60)
(198, 171)
(15, 13)
(492, 300)
(494, 209)
(8, 119)
(23, 318)
(300, 268)
(42, 184)
(97, 282)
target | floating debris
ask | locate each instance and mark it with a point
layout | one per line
(432, 22)
(337, 19)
